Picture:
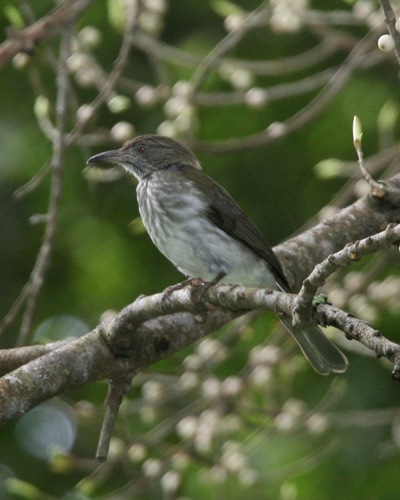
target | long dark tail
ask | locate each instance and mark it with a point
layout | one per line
(322, 354)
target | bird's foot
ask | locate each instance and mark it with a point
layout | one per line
(199, 293)
(209, 284)
(178, 286)
(199, 288)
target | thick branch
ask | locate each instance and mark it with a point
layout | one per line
(93, 357)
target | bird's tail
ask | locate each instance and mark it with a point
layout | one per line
(322, 354)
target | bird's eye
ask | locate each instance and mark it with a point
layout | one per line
(141, 148)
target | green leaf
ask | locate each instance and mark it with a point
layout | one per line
(14, 17)
(116, 14)
(225, 8)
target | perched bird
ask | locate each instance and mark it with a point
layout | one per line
(200, 228)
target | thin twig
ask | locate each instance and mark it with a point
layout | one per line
(43, 259)
(33, 183)
(115, 74)
(117, 390)
(231, 40)
(288, 65)
(344, 258)
(27, 39)
(272, 93)
(304, 116)
(379, 190)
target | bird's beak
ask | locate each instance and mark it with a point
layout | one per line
(114, 156)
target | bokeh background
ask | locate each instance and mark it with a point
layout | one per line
(240, 413)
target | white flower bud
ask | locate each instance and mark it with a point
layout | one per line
(118, 103)
(152, 467)
(170, 482)
(210, 348)
(295, 407)
(234, 460)
(386, 43)
(232, 386)
(182, 88)
(152, 390)
(261, 376)
(78, 61)
(317, 423)
(41, 107)
(276, 130)
(285, 421)
(167, 128)
(256, 97)
(117, 447)
(188, 381)
(361, 188)
(185, 121)
(187, 427)
(362, 9)
(233, 21)
(87, 77)
(146, 96)
(89, 36)
(122, 131)
(85, 410)
(192, 362)
(159, 6)
(20, 60)
(211, 388)
(241, 78)
(264, 355)
(150, 21)
(85, 112)
(175, 106)
(137, 452)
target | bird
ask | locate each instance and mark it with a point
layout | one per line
(203, 231)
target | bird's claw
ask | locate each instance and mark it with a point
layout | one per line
(178, 286)
(199, 288)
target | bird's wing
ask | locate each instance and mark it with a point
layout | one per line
(225, 213)
(245, 231)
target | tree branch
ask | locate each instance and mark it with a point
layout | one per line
(98, 355)
(344, 258)
(27, 39)
(305, 115)
(366, 217)
(151, 328)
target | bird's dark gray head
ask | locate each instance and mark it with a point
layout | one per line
(146, 154)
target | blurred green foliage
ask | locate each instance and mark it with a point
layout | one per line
(100, 263)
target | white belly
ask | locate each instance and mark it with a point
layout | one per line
(196, 246)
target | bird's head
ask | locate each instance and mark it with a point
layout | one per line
(146, 154)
